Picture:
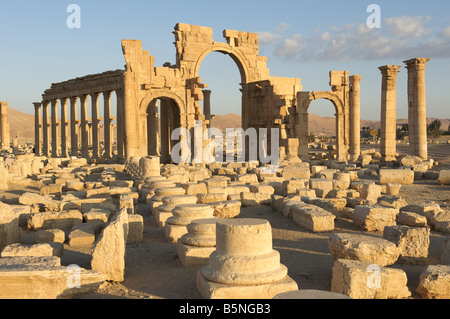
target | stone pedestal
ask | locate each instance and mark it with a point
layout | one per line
(160, 193)
(195, 247)
(244, 264)
(163, 212)
(183, 215)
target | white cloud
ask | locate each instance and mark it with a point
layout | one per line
(282, 27)
(408, 27)
(400, 38)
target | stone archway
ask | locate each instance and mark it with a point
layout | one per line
(160, 114)
(304, 101)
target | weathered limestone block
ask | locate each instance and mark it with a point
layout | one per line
(317, 169)
(217, 182)
(160, 193)
(332, 205)
(291, 186)
(364, 280)
(195, 247)
(49, 282)
(211, 198)
(126, 202)
(50, 236)
(83, 234)
(44, 202)
(370, 192)
(55, 189)
(108, 253)
(313, 218)
(183, 215)
(244, 264)
(135, 229)
(53, 261)
(255, 199)
(296, 171)
(441, 222)
(321, 186)
(227, 209)
(435, 282)
(238, 189)
(413, 242)
(195, 188)
(266, 189)
(374, 217)
(392, 188)
(411, 219)
(403, 176)
(9, 225)
(36, 250)
(444, 177)
(392, 201)
(51, 220)
(247, 178)
(364, 248)
(410, 160)
(97, 214)
(427, 209)
(341, 180)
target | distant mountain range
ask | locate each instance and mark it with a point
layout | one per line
(317, 125)
(23, 123)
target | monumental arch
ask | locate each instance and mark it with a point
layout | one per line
(154, 100)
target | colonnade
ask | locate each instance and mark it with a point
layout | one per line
(52, 134)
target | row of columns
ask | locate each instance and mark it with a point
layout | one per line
(55, 132)
(417, 118)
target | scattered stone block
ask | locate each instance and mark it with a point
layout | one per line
(227, 209)
(445, 256)
(313, 218)
(55, 189)
(374, 217)
(321, 186)
(364, 280)
(441, 222)
(211, 198)
(403, 176)
(411, 219)
(9, 225)
(297, 171)
(36, 250)
(435, 282)
(291, 186)
(135, 229)
(255, 199)
(444, 177)
(413, 242)
(52, 220)
(370, 192)
(364, 248)
(392, 201)
(108, 253)
(50, 236)
(427, 209)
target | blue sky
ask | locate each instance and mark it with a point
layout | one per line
(302, 39)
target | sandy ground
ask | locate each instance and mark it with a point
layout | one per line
(153, 270)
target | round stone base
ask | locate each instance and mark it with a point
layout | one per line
(212, 290)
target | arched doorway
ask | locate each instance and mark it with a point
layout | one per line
(305, 99)
(160, 114)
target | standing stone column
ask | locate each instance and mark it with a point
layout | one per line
(84, 126)
(73, 126)
(207, 106)
(45, 129)
(120, 124)
(165, 131)
(64, 129)
(107, 124)
(37, 129)
(95, 122)
(389, 111)
(355, 117)
(5, 129)
(55, 124)
(417, 113)
(153, 129)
